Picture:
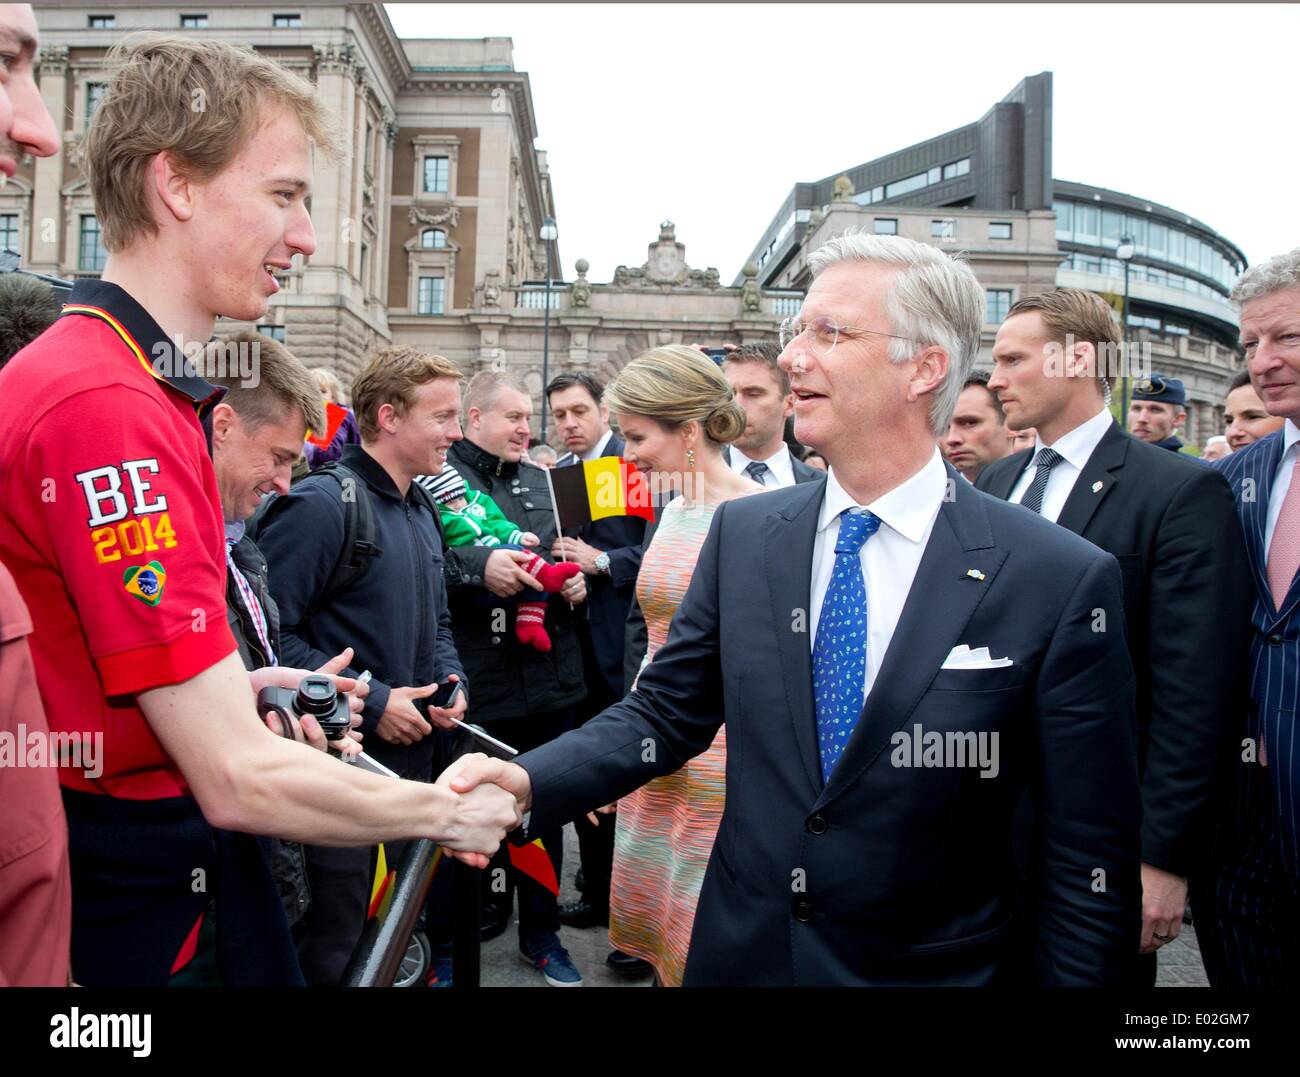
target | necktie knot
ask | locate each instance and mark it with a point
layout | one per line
(1047, 458)
(855, 529)
(756, 471)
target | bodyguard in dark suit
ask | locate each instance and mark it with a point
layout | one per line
(848, 631)
(1169, 521)
(762, 390)
(609, 552)
(1253, 936)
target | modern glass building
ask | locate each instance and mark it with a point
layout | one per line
(985, 190)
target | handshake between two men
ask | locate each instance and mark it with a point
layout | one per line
(492, 797)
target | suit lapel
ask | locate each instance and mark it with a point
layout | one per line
(1004, 480)
(1099, 476)
(789, 538)
(939, 605)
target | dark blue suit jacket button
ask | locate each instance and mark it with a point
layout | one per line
(817, 825)
(1275, 640)
(803, 911)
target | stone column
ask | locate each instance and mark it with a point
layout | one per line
(46, 205)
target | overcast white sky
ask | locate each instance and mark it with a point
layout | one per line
(708, 113)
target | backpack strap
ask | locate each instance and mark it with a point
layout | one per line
(359, 532)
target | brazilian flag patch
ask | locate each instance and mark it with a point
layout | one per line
(145, 582)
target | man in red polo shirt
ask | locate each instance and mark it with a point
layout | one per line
(110, 522)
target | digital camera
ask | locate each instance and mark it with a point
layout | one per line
(317, 696)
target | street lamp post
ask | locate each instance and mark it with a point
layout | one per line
(1124, 252)
(548, 235)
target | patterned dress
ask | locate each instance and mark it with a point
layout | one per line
(664, 831)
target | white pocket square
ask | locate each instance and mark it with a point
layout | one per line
(962, 657)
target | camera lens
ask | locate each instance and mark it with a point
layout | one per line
(316, 695)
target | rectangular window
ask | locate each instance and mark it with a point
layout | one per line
(93, 254)
(944, 229)
(1137, 228)
(886, 226)
(194, 22)
(905, 186)
(1111, 227)
(1064, 220)
(877, 193)
(275, 332)
(1175, 246)
(94, 95)
(1157, 240)
(437, 174)
(999, 229)
(1087, 224)
(430, 298)
(933, 175)
(286, 21)
(997, 302)
(102, 22)
(9, 232)
(1192, 259)
(1207, 259)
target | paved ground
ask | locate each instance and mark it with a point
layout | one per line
(1180, 961)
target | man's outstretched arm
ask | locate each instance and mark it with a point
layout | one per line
(673, 715)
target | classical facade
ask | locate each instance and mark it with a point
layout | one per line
(987, 190)
(426, 229)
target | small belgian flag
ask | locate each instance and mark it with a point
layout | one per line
(597, 489)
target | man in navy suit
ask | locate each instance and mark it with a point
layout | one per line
(609, 552)
(897, 657)
(1253, 937)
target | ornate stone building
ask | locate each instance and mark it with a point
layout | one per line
(427, 228)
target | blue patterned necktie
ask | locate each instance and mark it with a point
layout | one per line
(840, 649)
(757, 471)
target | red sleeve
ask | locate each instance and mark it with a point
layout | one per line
(128, 516)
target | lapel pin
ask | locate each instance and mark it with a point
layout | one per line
(1096, 486)
(975, 574)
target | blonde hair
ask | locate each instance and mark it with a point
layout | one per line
(199, 100)
(328, 383)
(391, 376)
(280, 383)
(674, 385)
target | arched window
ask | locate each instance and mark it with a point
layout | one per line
(433, 239)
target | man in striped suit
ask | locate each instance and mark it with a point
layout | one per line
(1253, 939)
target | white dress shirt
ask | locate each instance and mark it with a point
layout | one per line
(597, 450)
(780, 472)
(890, 557)
(1074, 449)
(1281, 481)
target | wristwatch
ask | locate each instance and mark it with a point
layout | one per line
(602, 563)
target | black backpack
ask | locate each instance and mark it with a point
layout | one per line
(359, 530)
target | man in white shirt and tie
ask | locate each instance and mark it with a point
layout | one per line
(763, 391)
(1169, 521)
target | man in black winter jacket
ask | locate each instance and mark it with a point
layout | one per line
(391, 608)
(521, 696)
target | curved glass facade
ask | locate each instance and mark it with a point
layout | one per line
(1181, 251)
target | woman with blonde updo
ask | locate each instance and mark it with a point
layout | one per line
(675, 410)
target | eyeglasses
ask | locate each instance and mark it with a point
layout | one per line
(824, 333)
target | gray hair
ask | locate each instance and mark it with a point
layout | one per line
(935, 300)
(1280, 271)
